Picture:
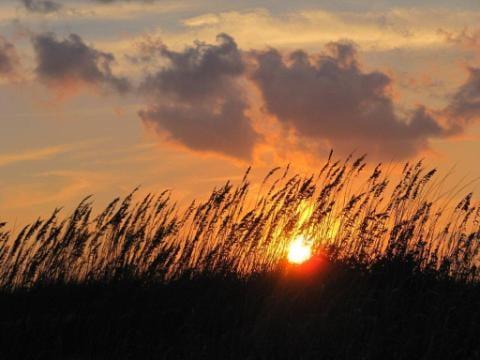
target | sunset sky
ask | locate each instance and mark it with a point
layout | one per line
(99, 96)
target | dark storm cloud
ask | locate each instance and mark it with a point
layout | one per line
(198, 101)
(70, 60)
(330, 98)
(9, 60)
(41, 6)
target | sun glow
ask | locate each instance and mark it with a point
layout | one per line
(299, 250)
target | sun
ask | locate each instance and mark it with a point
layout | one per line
(299, 250)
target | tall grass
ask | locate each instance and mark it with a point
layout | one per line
(349, 212)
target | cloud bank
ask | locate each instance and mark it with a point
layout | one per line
(203, 97)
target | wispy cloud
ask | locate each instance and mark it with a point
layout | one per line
(126, 10)
(33, 154)
(61, 187)
(396, 28)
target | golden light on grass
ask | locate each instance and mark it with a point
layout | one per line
(299, 250)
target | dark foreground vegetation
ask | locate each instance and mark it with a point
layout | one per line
(394, 273)
(341, 313)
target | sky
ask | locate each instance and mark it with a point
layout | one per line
(100, 96)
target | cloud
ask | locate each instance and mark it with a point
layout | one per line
(198, 101)
(203, 99)
(464, 107)
(41, 6)
(70, 61)
(375, 30)
(9, 60)
(202, 20)
(467, 38)
(32, 155)
(329, 98)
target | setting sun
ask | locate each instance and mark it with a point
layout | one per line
(299, 250)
